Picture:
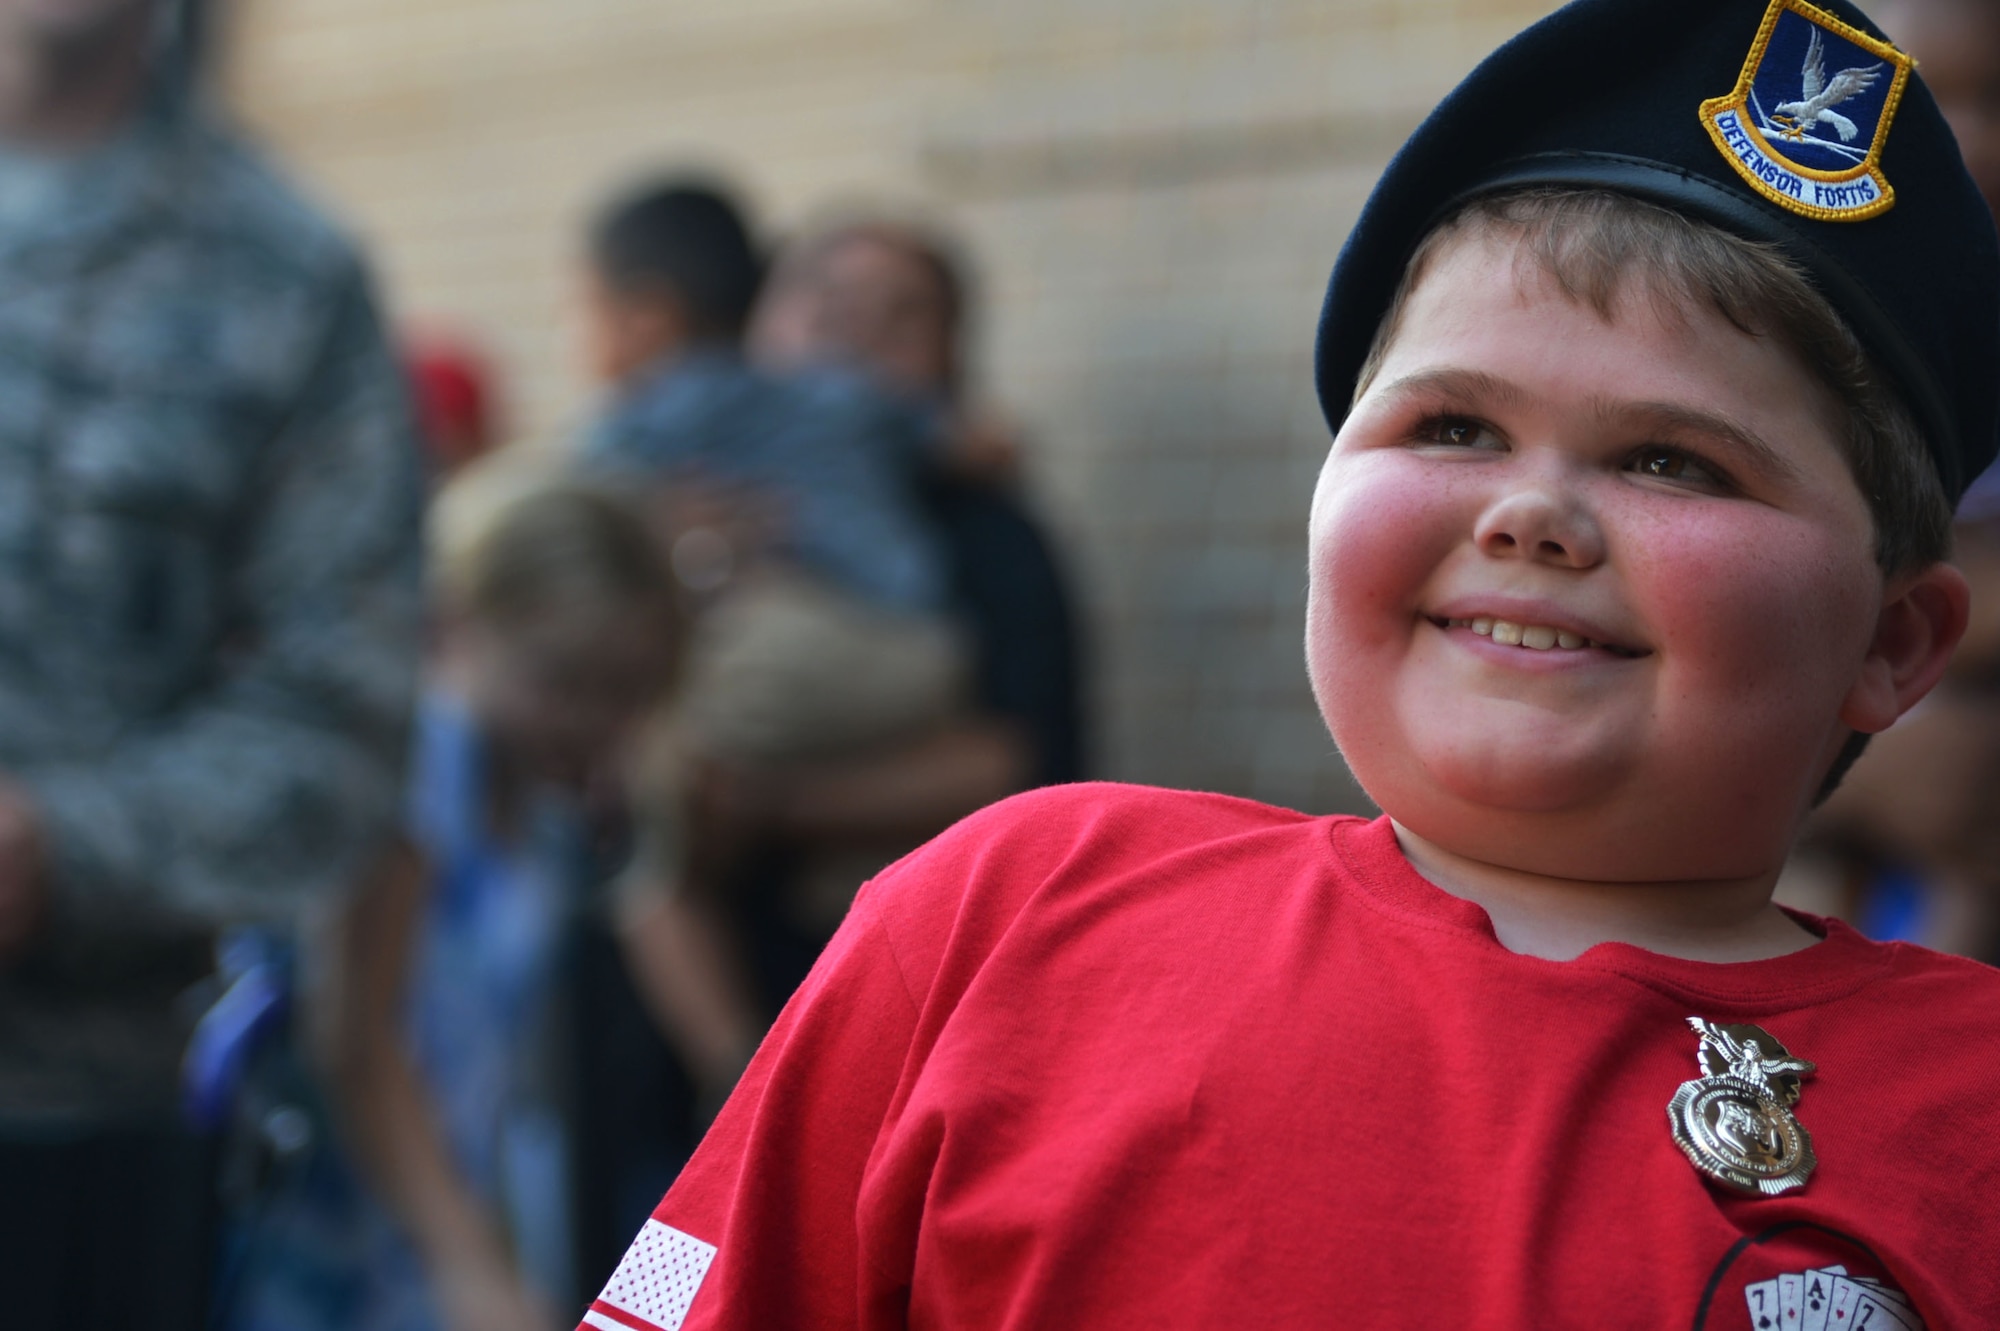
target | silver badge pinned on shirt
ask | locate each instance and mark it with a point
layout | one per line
(1735, 1124)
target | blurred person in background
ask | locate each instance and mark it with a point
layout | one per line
(782, 838)
(886, 303)
(208, 620)
(891, 301)
(1909, 847)
(444, 1206)
(833, 634)
(821, 627)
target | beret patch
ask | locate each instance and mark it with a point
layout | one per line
(1805, 138)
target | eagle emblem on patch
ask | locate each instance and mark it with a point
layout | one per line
(1806, 122)
(1735, 1123)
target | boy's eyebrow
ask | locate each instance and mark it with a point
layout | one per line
(1450, 382)
(1679, 417)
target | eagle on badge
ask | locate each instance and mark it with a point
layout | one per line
(1745, 1052)
(1815, 107)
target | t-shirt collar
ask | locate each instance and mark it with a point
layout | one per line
(1842, 962)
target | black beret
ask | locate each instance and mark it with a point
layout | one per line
(1786, 122)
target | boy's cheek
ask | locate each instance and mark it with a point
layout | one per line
(1787, 605)
(1376, 540)
(1380, 526)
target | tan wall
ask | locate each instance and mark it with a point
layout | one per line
(1154, 191)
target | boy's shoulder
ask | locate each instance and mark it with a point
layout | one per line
(1118, 852)
(1126, 798)
(1091, 824)
(1951, 998)
(1120, 855)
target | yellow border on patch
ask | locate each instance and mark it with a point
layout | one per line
(1739, 102)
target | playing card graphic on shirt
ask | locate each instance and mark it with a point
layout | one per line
(1763, 1301)
(1888, 1294)
(1840, 1304)
(1791, 1302)
(1827, 1298)
(1819, 1297)
(1869, 1305)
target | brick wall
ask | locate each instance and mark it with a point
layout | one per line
(1154, 191)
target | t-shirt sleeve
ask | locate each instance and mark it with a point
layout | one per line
(760, 1228)
(803, 1206)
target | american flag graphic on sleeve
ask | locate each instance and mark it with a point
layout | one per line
(654, 1283)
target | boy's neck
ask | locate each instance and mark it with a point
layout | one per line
(1559, 919)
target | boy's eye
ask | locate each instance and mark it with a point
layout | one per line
(1670, 464)
(1456, 432)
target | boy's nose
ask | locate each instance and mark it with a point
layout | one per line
(1538, 522)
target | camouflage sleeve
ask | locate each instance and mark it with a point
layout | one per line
(278, 776)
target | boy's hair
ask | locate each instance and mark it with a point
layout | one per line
(1591, 242)
(688, 241)
(555, 546)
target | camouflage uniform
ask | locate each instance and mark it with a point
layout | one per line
(209, 518)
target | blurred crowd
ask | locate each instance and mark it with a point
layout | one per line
(375, 944)
(777, 617)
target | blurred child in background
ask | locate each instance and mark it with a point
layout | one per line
(443, 1204)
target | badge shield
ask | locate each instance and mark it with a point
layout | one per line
(1735, 1123)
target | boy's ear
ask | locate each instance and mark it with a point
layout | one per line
(1923, 617)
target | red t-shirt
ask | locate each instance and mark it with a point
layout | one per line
(1108, 1056)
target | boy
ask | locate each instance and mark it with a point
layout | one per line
(1633, 523)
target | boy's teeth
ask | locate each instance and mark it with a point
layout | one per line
(1538, 637)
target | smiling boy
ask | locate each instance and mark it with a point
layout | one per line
(1652, 391)
(1590, 576)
